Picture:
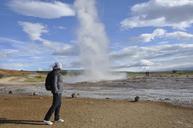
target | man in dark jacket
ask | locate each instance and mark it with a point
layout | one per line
(57, 89)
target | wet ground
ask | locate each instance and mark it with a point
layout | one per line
(168, 89)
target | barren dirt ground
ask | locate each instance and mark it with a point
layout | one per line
(28, 112)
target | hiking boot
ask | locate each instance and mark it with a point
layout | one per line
(47, 122)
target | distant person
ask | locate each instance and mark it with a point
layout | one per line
(147, 73)
(54, 83)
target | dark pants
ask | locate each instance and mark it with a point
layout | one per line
(56, 104)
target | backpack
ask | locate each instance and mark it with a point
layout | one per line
(48, 82)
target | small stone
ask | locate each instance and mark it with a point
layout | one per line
(73, 95)
(136, 99)
(92, 120)
(179, 122)
(41, 98)
(10, 92)
(166, 99)
(34, 94)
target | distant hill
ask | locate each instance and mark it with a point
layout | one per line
(7, 72)
(14, 72)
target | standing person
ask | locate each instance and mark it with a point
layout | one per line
(56, 87)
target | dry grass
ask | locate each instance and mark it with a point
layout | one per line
(14, 72)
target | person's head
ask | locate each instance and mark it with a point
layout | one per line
(57, 66)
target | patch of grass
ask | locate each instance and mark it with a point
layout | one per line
(35, 78)
(19, 90)
(1, 76)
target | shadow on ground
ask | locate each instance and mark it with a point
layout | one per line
(27, 122)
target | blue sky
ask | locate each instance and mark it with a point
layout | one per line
(143, 34)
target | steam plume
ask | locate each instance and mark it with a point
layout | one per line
(93, 42)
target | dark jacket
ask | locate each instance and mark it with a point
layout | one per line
(57, 82)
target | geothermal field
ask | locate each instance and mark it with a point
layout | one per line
(170, 87)
(124, 64)
(165, 100)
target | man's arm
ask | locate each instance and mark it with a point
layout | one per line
(55, 83)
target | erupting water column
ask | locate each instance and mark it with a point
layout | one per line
(93, 42)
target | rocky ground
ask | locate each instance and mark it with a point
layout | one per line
(173, 89)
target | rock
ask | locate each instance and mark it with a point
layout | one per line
(10, 92)
(136, 99)
(92, 120)
(167, 99)
(41, 98)
(34, 94)
(74, 95)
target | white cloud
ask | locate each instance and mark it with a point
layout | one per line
(61, 27)
(133, 58)
(158, 33)
(144, 62)
(162, 57)
(61, 49)
(16, 54)
(5, 53)
(18, 66)
(20, 48)
(34, 30)
(140, 64)
(41, 9)
(161, 13)
(163, 34)
(180, 35)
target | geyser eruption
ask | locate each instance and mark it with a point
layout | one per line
(93, 43)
